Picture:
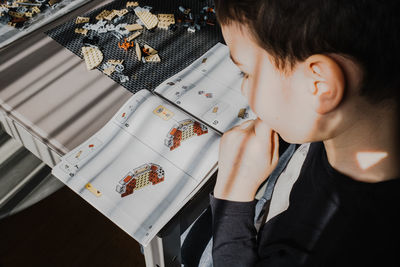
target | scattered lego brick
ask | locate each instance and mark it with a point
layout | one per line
(115, 61)
(138, 51)
(36, 10)
(80, 20)
(53, 2)
(119, 68)
(133, 27)
(15, 14)
(17, 20)
(149, 20)
(121, 12)
(133, 36)
(153, 58)
(93, 56)
(125, 45)
(111, 15)
(123, 78)
(164, 20)
(103, 14)
(93, 190)
(132, 4)
(108, 71)
(149, 50)
(184, 10)
(81, 31)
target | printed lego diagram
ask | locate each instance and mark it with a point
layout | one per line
(178, 90)
(129, 109)
(163, 112)
(140, 177)
(128, 173)
(81, 156)
(243, 114)
(210, 89)
(182, 131)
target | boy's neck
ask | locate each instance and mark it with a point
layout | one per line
(369, 150)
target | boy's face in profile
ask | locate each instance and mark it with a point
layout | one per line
(281, 100)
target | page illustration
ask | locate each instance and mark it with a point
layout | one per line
(143, 165)
(184, 130)
(141, 176)
(210, 89)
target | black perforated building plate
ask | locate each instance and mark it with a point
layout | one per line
(177, 49)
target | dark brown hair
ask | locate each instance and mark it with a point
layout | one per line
(367, 31)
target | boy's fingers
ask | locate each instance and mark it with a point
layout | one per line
(275, 149)
(262, 131)
(246, 125)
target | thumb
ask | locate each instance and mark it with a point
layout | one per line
(270, 139)
(262, 130)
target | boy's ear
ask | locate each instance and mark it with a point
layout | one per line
(327, 83)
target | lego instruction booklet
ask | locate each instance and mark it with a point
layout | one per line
(159, 148)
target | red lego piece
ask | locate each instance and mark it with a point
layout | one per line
(126, 45)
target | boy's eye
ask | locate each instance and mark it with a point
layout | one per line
(244, 74)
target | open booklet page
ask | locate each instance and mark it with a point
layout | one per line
(143, 165)
(210, 89)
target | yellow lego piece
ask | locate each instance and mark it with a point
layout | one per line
(35, 9)
(111, 15)
(153, 58)
(93, 190)
(150, 50)
(138, 51)
(164, 20)
(80, 20)
(109, 70)
(132, 4)
(81, 31)
(115, 62)
(102, 14)
(121, 12)
(133, 36)
(15, 14)
(149, 20)
(133, 27)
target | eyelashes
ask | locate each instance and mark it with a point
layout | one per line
(244, 74)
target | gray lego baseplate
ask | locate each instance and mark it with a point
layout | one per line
(177, 48)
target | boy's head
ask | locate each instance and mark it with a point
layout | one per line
(312, 68)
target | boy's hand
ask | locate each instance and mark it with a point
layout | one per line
(248, 154)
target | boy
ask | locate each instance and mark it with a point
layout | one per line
(325, 73)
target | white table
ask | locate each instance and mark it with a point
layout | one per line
(51, 103)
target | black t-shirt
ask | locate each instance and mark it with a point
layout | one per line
(332, 220)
